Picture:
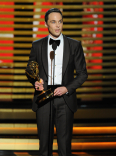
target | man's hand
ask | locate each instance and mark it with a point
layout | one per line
(39, 85)
(60, 91)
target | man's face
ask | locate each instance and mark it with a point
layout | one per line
(54, 24)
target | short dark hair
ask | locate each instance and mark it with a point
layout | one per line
(50, 11)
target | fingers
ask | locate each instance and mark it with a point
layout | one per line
(39, 85)
(40, 88)
(57, 92)
(60, 91)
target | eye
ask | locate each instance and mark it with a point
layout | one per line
(60, 21)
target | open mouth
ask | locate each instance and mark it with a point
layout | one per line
(57, 30)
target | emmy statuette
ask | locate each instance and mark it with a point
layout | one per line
(33, 72)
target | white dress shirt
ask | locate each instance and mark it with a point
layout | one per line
(58, 62)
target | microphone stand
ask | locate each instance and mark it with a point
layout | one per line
(54, 47)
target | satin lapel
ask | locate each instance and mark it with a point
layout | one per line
(65, 55)
(44, 55)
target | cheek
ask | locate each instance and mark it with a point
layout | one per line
(51, 28)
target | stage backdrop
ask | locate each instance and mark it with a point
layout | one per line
(93, 23)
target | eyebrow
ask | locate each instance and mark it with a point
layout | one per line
(55, 20)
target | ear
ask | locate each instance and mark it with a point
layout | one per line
(46, 24)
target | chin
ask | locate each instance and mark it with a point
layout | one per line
(57, 35)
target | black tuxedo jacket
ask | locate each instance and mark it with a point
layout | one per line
(73, 58)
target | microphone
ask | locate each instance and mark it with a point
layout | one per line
(54, 47)
(51, 57)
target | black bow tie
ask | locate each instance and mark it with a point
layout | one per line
(56, 41)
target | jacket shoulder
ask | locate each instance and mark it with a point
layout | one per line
(73, 41)
(39, 41)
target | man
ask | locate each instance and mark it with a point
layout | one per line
(57, 71)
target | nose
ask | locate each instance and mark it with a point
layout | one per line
(58, 24)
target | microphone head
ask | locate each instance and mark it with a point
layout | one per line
(54, 46)
(52, 55)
